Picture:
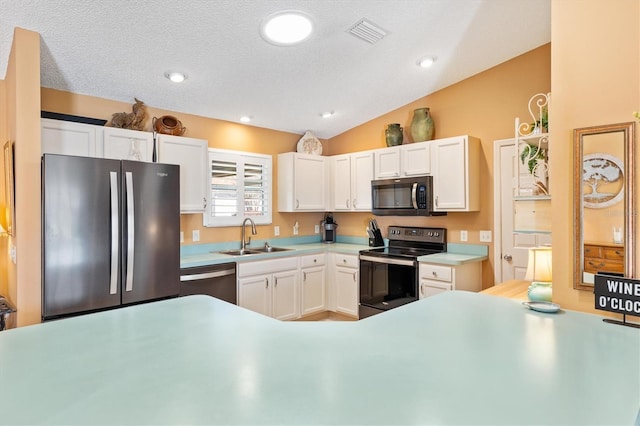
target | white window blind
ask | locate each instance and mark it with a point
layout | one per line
(240, 188)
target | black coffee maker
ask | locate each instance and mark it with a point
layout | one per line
(328, 229)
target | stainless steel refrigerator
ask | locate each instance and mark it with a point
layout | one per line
(110, 233)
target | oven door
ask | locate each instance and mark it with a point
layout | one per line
(386, 283)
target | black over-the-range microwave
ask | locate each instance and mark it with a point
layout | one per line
(403, 197)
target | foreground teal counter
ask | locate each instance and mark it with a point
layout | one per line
(455, 358)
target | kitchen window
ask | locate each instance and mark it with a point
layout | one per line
(239, 187)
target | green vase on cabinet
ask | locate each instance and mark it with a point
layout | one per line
(422, 127)
(393, 134)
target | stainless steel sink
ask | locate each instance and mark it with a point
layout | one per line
(270, 249)
(239, 252)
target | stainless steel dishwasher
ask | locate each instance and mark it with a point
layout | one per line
(215, 280)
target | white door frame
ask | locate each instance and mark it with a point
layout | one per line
(497, 209)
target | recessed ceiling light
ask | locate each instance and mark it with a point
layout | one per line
(245, 119)
(426, 62)
(286, 27)
(327, 114)
(176, 77)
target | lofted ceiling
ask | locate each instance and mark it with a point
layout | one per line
(121, 49)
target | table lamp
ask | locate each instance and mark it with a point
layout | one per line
(539, 273)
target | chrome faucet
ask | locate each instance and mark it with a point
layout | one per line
(244, 243)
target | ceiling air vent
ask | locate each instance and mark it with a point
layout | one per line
(367, 31)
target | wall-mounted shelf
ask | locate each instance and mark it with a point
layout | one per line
(532, 149)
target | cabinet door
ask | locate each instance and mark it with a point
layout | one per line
(361, 176)
(387, 163)
(313, 290)
(310, 183)
(69, 138)
(416, 159)
(254, 293)
(125, 144)
(431, 288)
(341, 182)
(455, 168)
(191, 155)
(285, 295)
(347, 290)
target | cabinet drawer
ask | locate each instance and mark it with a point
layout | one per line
(312, 260)
(613, 253)
(347, 260)
(603, 265)
(592, 251)
(267, 266)
(436, 272)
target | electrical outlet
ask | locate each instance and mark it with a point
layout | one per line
(13, 254)
(276, 231)
(463, 235)
(316, 229)
(485, 236)
(196, 235)
(295, 228)
(181, 237)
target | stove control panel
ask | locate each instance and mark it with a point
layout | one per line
(404, 233)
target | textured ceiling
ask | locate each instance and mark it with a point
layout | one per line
(120, 49)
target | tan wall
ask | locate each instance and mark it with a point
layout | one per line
(4, 243)
(596, 80)
(484, 106)
(23, 117)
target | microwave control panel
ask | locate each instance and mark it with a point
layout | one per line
(421, 197)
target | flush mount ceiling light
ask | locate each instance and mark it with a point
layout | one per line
(286, 28)
(426, 62)
(176, 77)
(326, 114)
(245, 119)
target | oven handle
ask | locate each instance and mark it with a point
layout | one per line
(388, 260)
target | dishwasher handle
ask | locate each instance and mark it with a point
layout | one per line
(206, 275)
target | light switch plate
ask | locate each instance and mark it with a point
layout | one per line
(276, 231)
(181, 237)
(196, 235)
(485, 236)
(316, 229)
(463, 235)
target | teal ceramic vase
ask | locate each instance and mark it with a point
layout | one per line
(393, 134)
(422, 127)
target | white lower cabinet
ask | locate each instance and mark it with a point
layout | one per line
(313, 288)
(346, 284)
(270, 287)
(437, 278)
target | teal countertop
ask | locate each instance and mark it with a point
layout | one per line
(207, 254)
(454, 358)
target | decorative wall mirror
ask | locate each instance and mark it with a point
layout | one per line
(604, 220)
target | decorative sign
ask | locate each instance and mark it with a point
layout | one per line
(617, 294)
(602, 177)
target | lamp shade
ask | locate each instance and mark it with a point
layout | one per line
(539, 265)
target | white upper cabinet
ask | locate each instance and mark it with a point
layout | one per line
(126, 144)
(192, 157)
(69, 138)
(352, 175)
(403, 161)
(415, 159)
(302, 182)
(455, 168)
(387, 163)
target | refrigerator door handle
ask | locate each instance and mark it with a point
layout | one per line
(130, 231)
(113, 281)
